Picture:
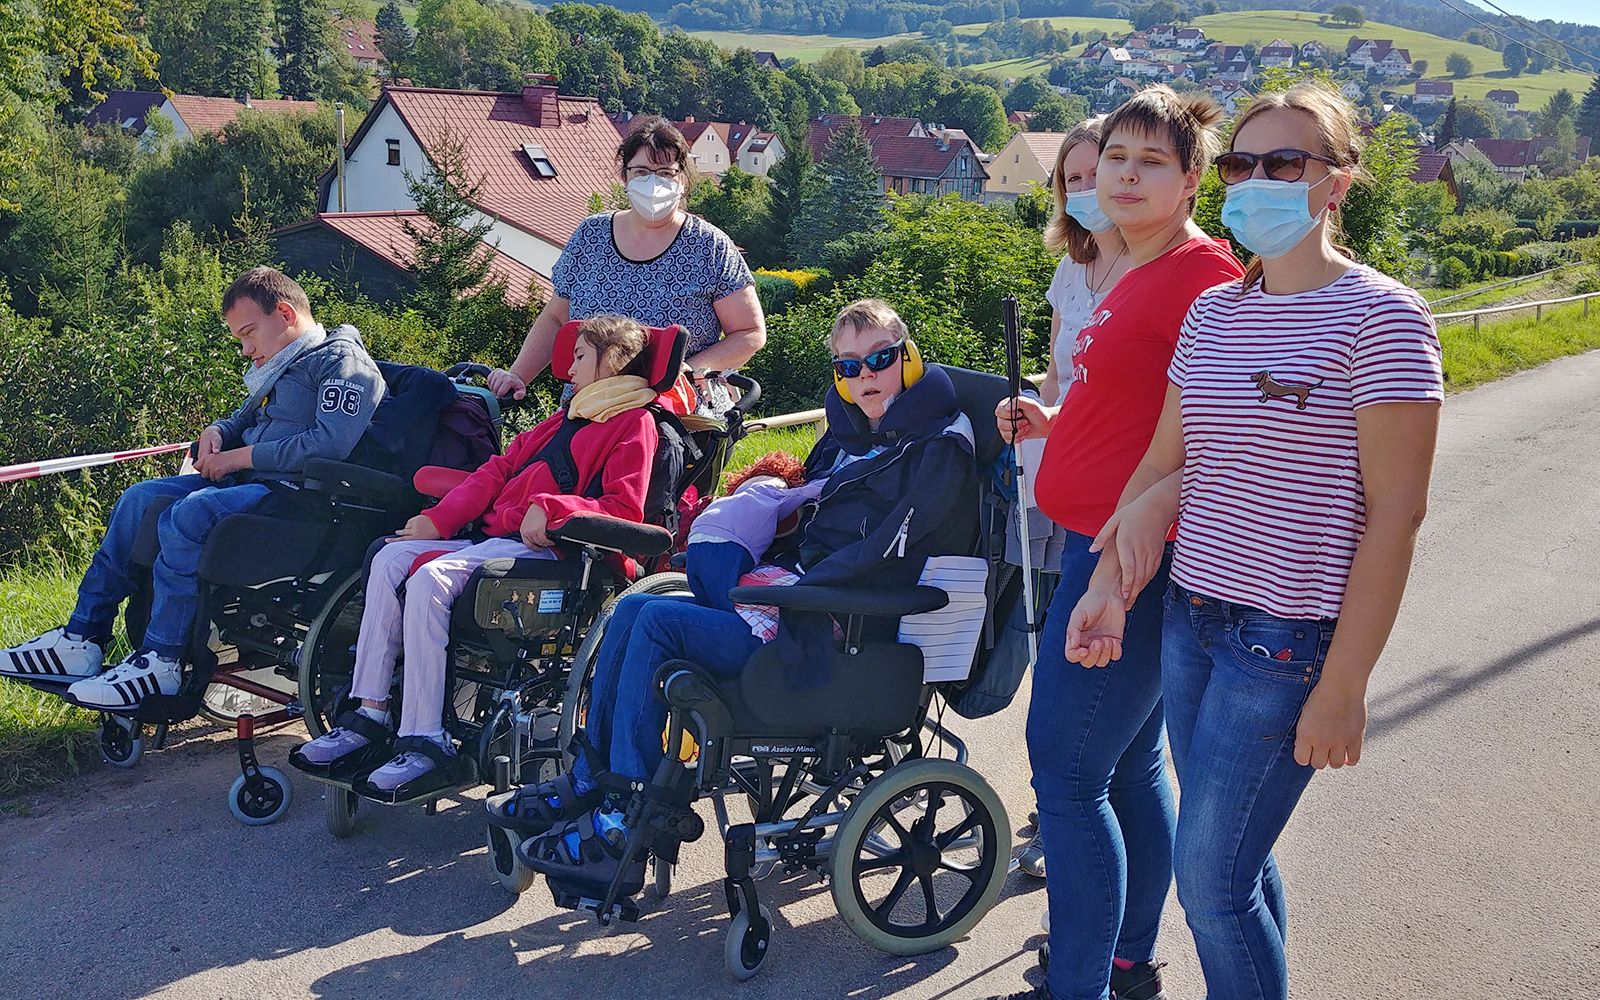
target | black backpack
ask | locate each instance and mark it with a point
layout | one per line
(413, 397)
(676, 451)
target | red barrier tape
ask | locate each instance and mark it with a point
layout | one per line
(33, 470)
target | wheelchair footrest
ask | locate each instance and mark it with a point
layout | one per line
(582, 898)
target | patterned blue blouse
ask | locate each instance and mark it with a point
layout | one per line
(678, 286)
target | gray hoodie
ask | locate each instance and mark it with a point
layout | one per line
(318, 408)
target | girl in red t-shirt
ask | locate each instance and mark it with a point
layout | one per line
(1095, 737)
(1298, 439)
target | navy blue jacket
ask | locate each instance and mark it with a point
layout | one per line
(880, 517)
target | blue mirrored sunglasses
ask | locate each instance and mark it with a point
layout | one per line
(877, 361)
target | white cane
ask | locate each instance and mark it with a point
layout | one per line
(1013, 337)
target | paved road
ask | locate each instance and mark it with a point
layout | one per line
(1460, 860)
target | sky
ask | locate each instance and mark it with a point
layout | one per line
(1581, 11)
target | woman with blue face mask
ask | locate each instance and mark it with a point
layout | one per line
(1295, 449)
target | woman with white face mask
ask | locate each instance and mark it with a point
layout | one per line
(652, 262)
(1297, 441)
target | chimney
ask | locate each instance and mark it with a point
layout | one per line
(689, 120)
(244, 98)
(539, 94)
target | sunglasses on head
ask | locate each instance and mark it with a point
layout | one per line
(1279, 164)
(877, 361)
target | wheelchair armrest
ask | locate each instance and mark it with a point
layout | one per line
(893, 602)
(437, 480)
(327, 476)
(642, 541)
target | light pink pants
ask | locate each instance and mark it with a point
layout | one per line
(422, 626)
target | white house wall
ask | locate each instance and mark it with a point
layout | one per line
(180, 131)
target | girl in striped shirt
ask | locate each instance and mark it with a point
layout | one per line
(1297, 443)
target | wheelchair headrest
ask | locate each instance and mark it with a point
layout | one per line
(663, 354)
(978, 393)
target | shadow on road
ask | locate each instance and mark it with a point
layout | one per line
(1434, 690)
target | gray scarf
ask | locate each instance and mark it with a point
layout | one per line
(259, 381)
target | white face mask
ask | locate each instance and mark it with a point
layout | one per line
(654, 197)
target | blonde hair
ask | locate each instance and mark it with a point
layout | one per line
(868, 314)
(1337, 131)
(1188, 120)
(618, 340)
(1064, 232)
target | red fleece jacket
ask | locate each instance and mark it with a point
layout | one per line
(620, 450)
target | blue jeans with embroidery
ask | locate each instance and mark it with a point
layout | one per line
(626, 711)
(183, 530)
(1105, 805)
(1235, 679)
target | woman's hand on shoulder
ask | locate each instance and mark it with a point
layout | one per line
(1023, 417)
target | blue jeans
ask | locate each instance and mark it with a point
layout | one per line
(183, 530)
(626, 711)
(1235, 679)
(1105, 806)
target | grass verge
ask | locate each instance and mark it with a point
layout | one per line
(42, 739)
(1473, 357)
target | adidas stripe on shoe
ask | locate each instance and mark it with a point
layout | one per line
(128, 683)
(52, 656)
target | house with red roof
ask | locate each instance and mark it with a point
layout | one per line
(129, 110)
(1435, 167)
(1277, 54)
(190, 114)
(373, 254)
(360, 39)
(539, 155)
(1162, 36)
(1507, 99)
(1378, 55)
(1511, 158)
(1434, 92)
(708, 146)
(913, 158)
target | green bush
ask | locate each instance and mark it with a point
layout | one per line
(1586, 281)
(1453, 273)
(1520, 236)
(775, 293)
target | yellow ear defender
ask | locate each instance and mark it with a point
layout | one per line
(911, 371)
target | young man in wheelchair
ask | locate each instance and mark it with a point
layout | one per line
(892, 482)
(505, 510)
(308, 395)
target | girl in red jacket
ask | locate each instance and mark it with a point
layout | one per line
(516, 503)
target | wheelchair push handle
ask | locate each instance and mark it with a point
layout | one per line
(749, 392)
(465, 371)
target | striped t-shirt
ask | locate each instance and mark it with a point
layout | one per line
(1272, 503)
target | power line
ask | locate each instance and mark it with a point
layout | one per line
(1540, 31)
(1516, 41)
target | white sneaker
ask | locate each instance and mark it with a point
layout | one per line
(128, 683)
(53, 656)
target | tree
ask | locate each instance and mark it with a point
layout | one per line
(1587, 119)
(793, 179)
(1515, 58)
(740, 204)
(305, 40)
(394, 38)
(1373, 211)
(1458, 65)
(1447, 127)
(1474, 120)
(1420, 67)
(847, 202)
(975, 109)
(1349, 14)
(1055, 114)
(1561, 107)
(1029, 91)
(1158, 12)
(842, 64)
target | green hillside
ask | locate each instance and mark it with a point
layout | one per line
(806, 48)
(1239, 27)
(1109, 25)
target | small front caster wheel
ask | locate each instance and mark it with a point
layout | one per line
(262, 800)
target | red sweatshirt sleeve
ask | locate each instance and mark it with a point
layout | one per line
(456, 509)
(624, 479)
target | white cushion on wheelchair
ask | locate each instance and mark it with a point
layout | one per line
(949, 636)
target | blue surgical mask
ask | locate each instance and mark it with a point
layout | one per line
(1084, 208)
(1269, 217)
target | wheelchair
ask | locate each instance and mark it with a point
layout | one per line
(516, 628)
(266, 577)
(847, 781)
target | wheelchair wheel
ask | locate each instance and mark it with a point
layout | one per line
(339, 809)
(512, 874)
(745, 949)
(262, 801)
(327, 656)
(121, 741)
(933, 824)
(575, 703)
